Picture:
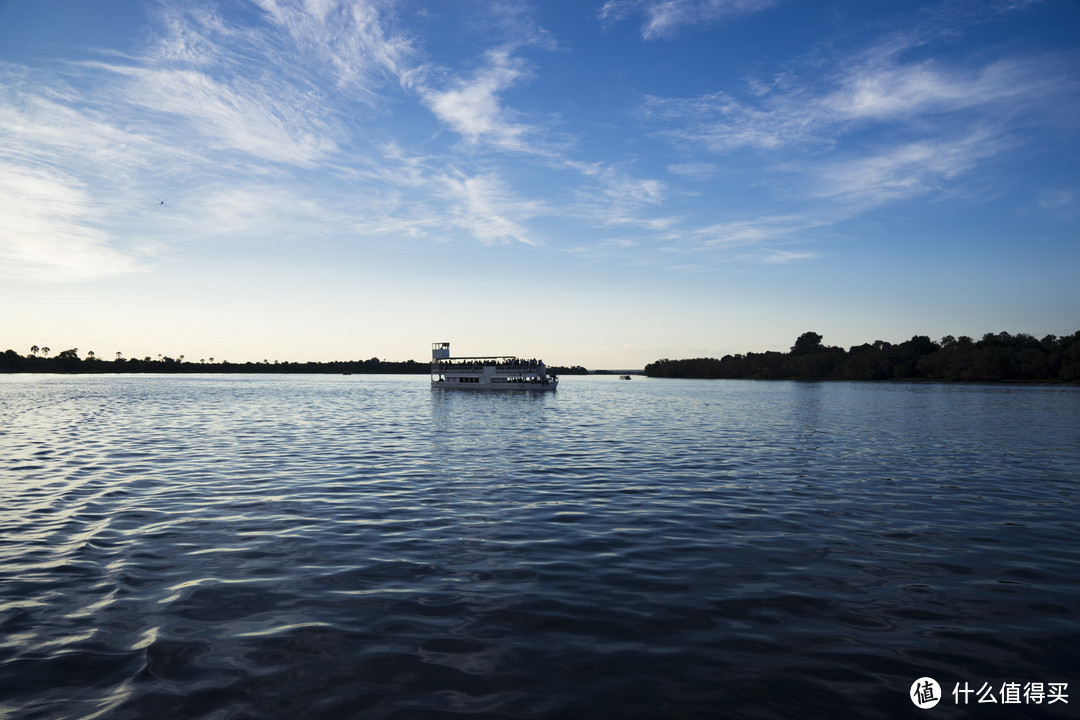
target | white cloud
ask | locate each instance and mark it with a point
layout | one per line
(87, 145)
(472, 108)
(1055, 199)
(1062, 203)
(257, 210)
(65, 175)
(895, 92)
(49, 228)
(904, 171)
(665, 18)
(270, 124)
(870, 95)
(694, 170)
(781, 257)
(764, 231)
(351, 39)
(629, 192)
(745, 232)
(482, 206)
(615, 198)
(881, 127)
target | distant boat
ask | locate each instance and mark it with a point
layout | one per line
(624, 377)
(487, 372)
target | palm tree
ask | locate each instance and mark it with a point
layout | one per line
(45, 351)
(89, 354)
(34, 349)
(119, 355)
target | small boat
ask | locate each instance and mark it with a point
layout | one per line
(624, 377)
(487, 372)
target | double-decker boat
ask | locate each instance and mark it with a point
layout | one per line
(487, 372)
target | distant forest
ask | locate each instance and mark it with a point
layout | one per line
(40, 360)
(995, 358)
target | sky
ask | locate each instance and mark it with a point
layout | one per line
(594, 182)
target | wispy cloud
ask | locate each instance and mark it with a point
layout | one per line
(1055, 199)
(271, 117)
(781, 257)
(268, 123)
(904, 171)
(694, 170)
(50, 228)
(757, 239)
(472, 107)
(892, 91)
(261, 88)
(741, 233)
(665, 18)
(231, 104)
(65, 174)
(901, 95)
(884, 124)
(482, 205)
(352, 40)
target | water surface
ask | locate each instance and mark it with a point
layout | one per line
(363, 546)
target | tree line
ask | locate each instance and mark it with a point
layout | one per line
(41, 360)
(996, 357)
(69, 361)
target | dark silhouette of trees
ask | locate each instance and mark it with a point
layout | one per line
(567, 370)
(806, 344)
(68, 361)
(997, 357)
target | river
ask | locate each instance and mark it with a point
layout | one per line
(210, 546)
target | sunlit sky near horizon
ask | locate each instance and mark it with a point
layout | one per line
(594, 182)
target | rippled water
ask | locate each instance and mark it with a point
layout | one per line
(339, 547)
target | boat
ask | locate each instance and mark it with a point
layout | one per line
(487, 372)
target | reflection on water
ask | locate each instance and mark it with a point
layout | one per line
(265, 547)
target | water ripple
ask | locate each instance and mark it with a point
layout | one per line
(266, 547)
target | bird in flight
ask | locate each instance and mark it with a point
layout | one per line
(162, 202)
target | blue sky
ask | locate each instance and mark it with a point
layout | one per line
(601, 182)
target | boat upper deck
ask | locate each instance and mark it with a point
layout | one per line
(501, 363)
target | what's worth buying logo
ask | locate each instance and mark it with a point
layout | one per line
(925, 693)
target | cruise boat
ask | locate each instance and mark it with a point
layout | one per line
(487, 372)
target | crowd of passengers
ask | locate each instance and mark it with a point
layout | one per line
(514, 364)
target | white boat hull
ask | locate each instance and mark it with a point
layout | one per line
(451, 384)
